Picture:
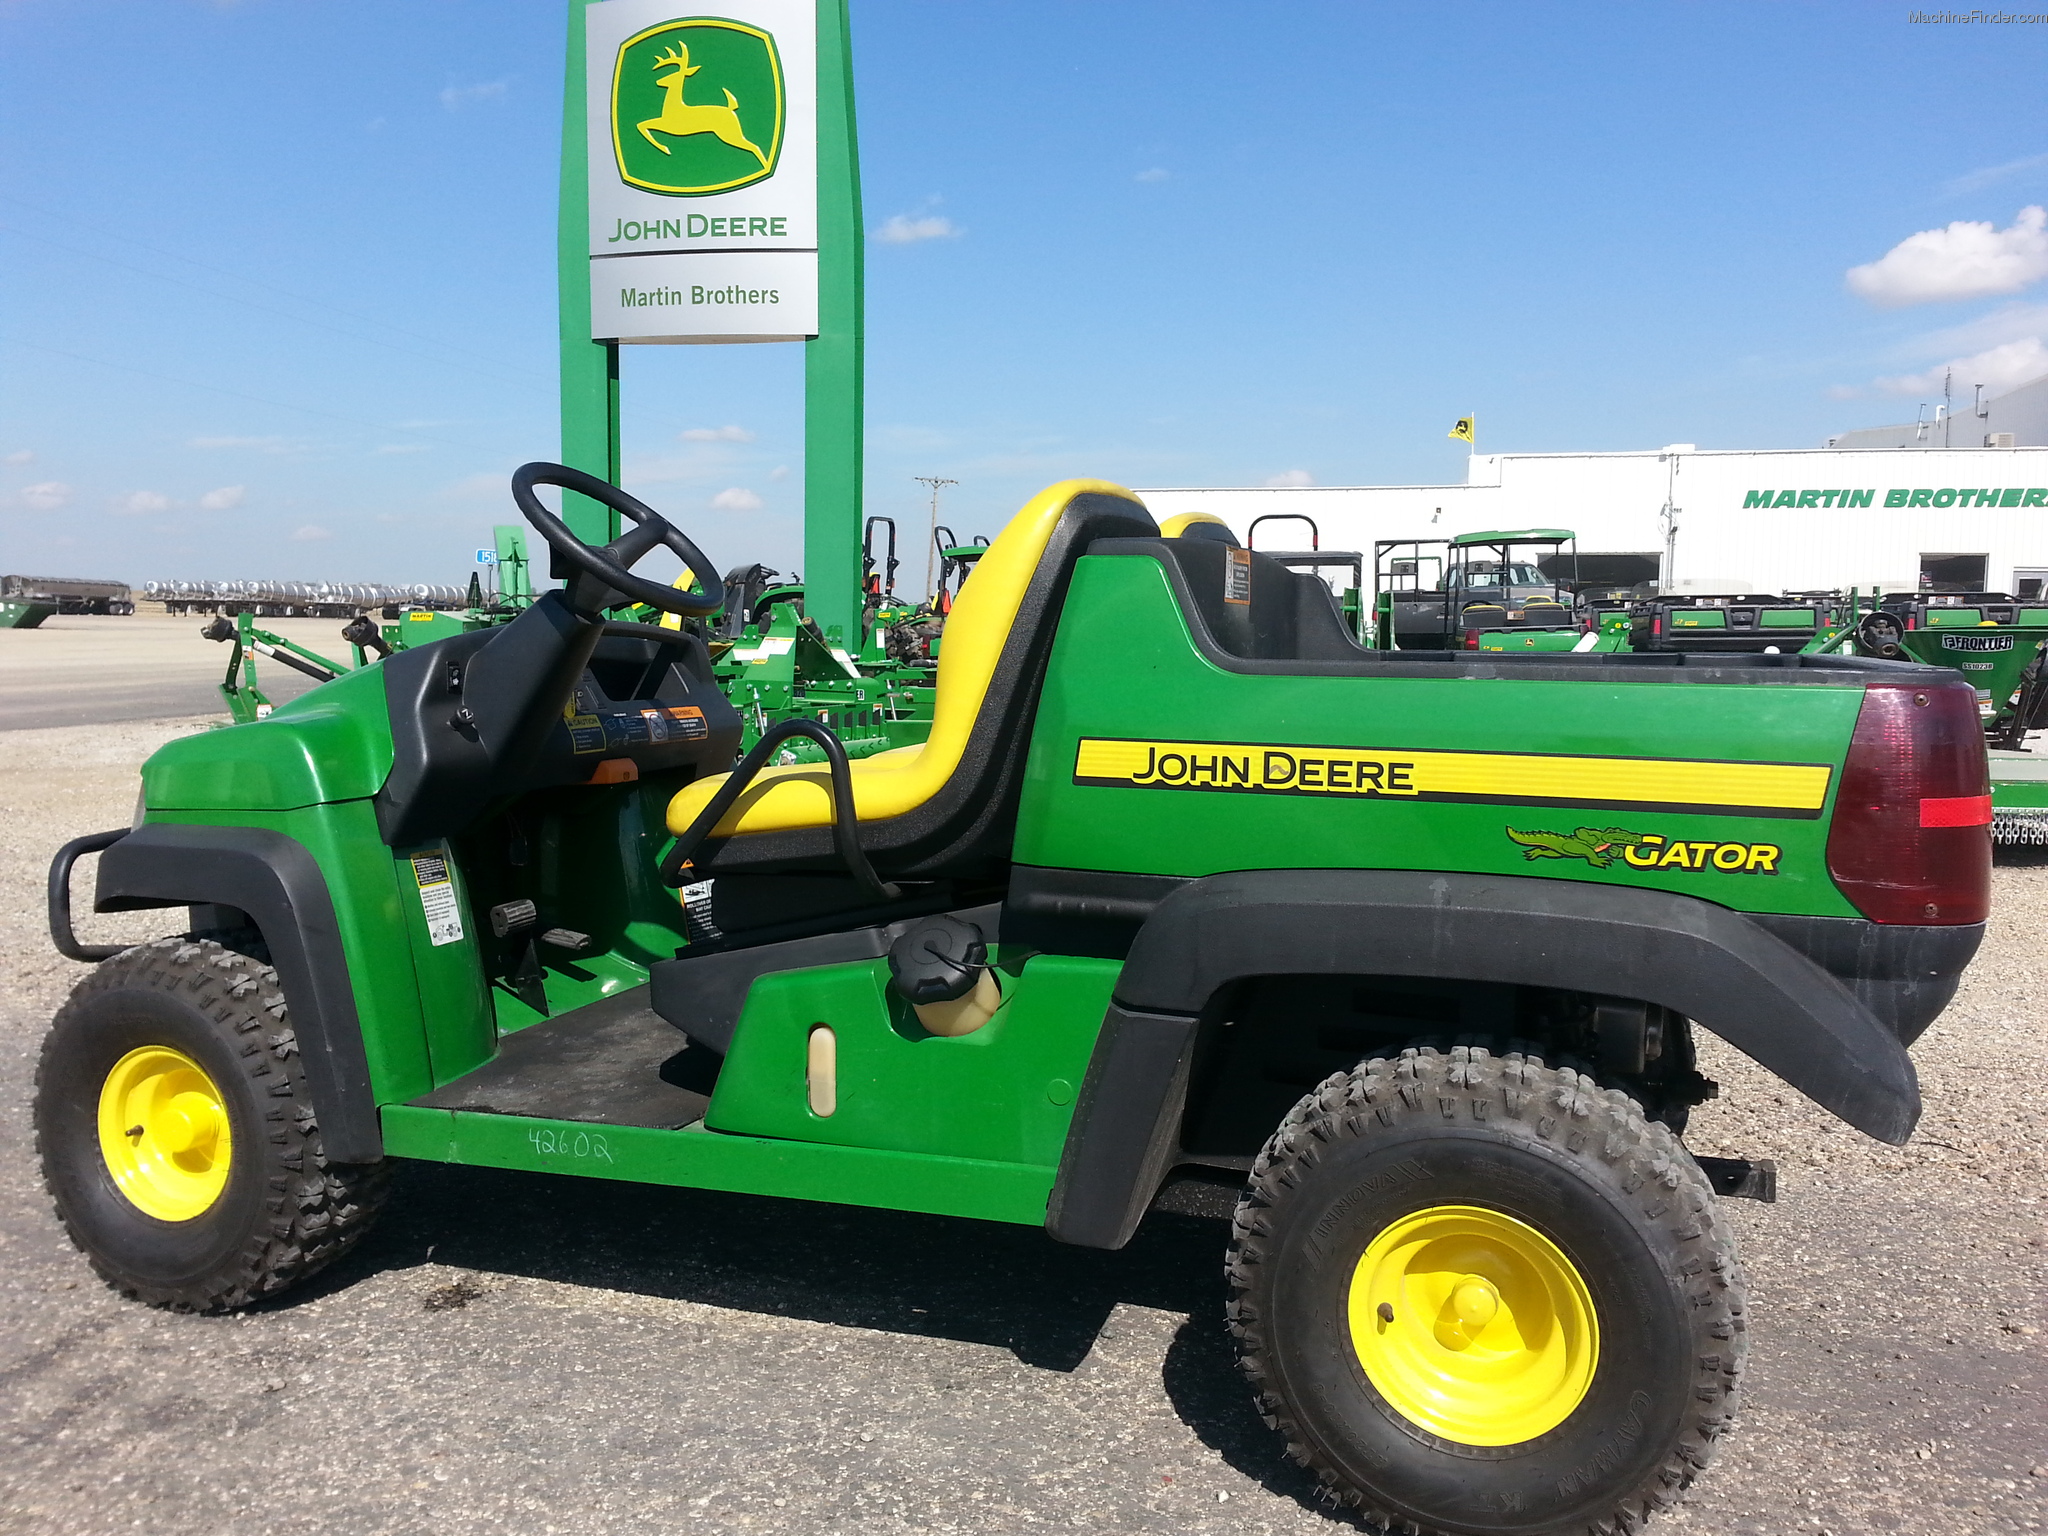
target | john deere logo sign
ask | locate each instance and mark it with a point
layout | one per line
(697, 107)
(700, 158)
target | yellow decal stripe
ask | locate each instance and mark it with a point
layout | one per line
(1772, 789)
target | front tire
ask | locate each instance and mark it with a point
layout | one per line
(1481, 1295)
(177, 1136)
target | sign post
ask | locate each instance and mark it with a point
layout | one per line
(710, 194)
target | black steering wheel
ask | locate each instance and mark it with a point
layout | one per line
(610, 565)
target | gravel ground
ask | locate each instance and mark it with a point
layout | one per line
(534, 1354)
(78, 669)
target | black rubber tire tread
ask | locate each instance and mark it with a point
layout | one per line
(302, 1213)
(1565, 1111)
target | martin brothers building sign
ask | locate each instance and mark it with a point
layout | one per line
(1957, 496)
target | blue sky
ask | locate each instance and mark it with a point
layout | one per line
(278, 278)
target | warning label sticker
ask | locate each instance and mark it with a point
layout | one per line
(684, 723)
(437, 898)
(1237, 576)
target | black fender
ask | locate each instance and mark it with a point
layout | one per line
(278, 883)
(1715, 966)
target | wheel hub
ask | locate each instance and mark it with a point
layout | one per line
(1473, 1325)
(163, 1131)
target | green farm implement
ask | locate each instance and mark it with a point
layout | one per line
(24, 612)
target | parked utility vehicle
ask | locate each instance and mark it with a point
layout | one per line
(1407, 948)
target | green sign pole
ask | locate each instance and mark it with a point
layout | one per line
(590, 369)
(833, 363)
(833, 360)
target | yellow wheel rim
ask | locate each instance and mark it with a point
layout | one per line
(1473, 1325)
(164, 1133)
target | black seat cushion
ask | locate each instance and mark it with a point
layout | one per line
(1291, 615)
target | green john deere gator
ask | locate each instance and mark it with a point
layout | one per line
(1403, 952)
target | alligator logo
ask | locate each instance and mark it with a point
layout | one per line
(1596, 845)
(729, 136)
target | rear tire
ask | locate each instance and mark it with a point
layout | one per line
(240, 1208)
(1573, 1197)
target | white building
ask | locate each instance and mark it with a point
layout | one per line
(1727, 521)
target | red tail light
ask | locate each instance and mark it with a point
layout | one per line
(1911, 840)
(1471, 639)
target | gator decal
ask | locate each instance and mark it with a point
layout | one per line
(1797, 790)
(1596, 845)
(1648, 850)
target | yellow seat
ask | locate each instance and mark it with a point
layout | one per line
(891, 784)
(1198, 525)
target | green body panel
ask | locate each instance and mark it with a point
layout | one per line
(1787, 618)
(454, 997)
(1004, 1093)
(21, 614)
(1125, 667)
(332, 743)
(396, 981)
(703, 1159)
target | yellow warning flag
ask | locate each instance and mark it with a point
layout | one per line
(1463, 430)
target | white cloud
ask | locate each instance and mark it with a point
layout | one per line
(143, 503)
(20, 456)
(2009, 322)
(47, 496)
(1156, 173)
(779, 472)
(1998, 369)
(1976, 181)
(1291, 477)
(1967, 260)
(906, 229)
(715, 435)
(737, 499)
(225, 499)
(312, 533)
(455, 97)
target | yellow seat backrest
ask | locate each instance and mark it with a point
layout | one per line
(1179, 526)
(892, 783)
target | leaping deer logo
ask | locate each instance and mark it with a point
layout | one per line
(679, 119)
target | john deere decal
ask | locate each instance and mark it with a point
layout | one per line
(1502, 778)
(697, 107)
